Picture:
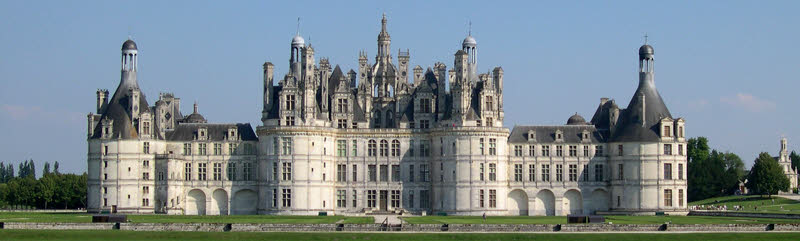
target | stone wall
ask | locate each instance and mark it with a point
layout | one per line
(743, 214)
(247, 227)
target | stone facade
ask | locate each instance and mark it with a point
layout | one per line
(383, 139)
(786, 164)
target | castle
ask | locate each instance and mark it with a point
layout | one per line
(385, 139)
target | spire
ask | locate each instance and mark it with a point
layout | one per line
(383, 23)
(297, 31)
(195, 107)
(469, 32)
(645, 38)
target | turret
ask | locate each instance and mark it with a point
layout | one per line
(402, 61)
(384, 44)
(269, 71)
(102, 100)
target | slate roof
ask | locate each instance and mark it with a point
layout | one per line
(637, 125)
(215, 132)
(547, 134)
(117, 110)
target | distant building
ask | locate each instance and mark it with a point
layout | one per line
(385, 138)
(786, 164)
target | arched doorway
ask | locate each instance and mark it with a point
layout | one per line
(572, 202)
(545, 203)
(244, 202)
(517, 203)
(196, 202)
(600, 200)
(219, 202)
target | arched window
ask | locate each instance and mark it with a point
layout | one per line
(372, 148)
(395, 148)
(384, 148)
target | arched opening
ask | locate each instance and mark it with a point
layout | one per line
(517, 203)
(545, 203)
(219, 202)
(600, 200)
(572, 202)
(196, 202)
(244, 202)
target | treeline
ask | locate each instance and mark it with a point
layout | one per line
(712, 173)
(52, 190)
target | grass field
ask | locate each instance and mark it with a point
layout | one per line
(80, 235)
(749, 203)
(85, 218)
(613, 219)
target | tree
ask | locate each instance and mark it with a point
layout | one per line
(46, 169)
(795, 160)
(55, 168)
(766, 177)
(734, 172)
(697, 152)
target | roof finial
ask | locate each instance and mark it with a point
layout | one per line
(645, 38)
(195, 106)
(297, 31)
(469, 33)
(383, 23)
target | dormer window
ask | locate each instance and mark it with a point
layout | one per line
(667, 131)
(531, 135)
(559, 135)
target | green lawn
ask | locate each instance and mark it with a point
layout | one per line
(79, 235)
(750, 203)
(85, 218)
(613, 219)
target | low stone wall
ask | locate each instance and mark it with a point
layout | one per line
(743, 214)
(59, 226)
(279, 227)
(500, 228)
(794, 227)
(203, 227)
(718, 227)
(610, 227)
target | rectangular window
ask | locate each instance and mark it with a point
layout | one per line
(395, 148)
(217, 148)
(573, 172)
(424, 124)
(372, 148)
(531, 173)
(492, 198)
(559, 173)
(187, 171)
(146, 147)
(341, 198)
(384, 150)
(531, 150)
(424, 173)
(482, 171)
(373, 173)
(481, 197)
(620, 171)
(341, 173)
(287, 197)
(680, 197)
(274, 198)
(411, 147)
(425, 148)
(395, 173)
(146, 176)
(202, 149)
(247, 171)
(145, 190)
(680, 171)
(231, 171)
(341, 123)
(598, 150)
(573, 150)
(287, 171)
(481, 146)
(371, 196)
(217, 171)
(545, 150)
(355, 148)
(517, 172)
(355, 198)
(341, 105)
(287, 145)
(598, 172)
(667, 131)
(290, 102)
(680, 149)
(424, 199)
(187, 149)
(410, 173)
(585, 151)
(667, 149)
(275, 171)
(668, 171)
(425, 106)
(492, 172)
(559, 150)
(355, 173)
(619, 150)
(410, 199)
(275, 146)
(585, 173)
(545, 172)
(232, 147)
(668, 197)
(395, 197)
(146, 128)
(492, 146)
(517, 150)
(341, 148)
(145, 202)
(384, 173)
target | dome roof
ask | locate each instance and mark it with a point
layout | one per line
(195, 118)
(469, 41)
(129, 45)
(646, 51)
(576, 120)
(298, 41)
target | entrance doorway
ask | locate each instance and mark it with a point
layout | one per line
(384, 196)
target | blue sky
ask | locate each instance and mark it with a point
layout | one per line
(730, 68)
